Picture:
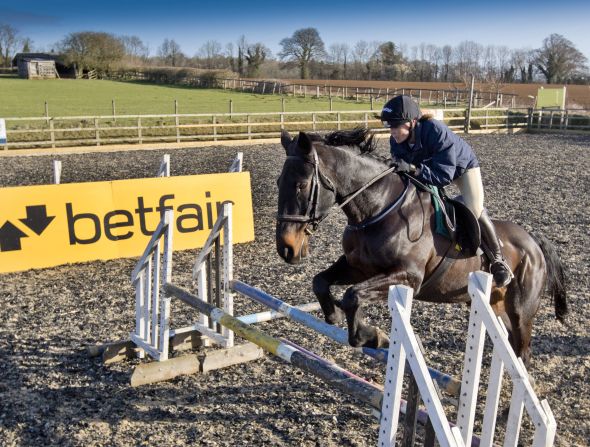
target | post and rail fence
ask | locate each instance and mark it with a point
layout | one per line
(442, 97)
(47, 131)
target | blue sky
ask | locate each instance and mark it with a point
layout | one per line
(515, 24)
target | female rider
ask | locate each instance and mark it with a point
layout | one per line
(435, 155)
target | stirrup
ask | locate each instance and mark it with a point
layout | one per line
(500, 267)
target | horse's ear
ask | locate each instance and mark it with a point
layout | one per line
(286, 140)
(304, 143)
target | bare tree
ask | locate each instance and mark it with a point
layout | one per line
(170, 52)
(304, 46)
(134, 47)
(467, 57)
(229, 54)
(210, 51)
(558, 59)
(92, 50)
(447, 58)
(8, 42)
(361, 53)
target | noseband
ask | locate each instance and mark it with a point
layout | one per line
(310, 218)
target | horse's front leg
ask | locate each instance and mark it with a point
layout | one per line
(339, 273)
(377, 287)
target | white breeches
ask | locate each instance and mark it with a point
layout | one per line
(471, 189)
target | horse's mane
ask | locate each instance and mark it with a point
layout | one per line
(360, 137)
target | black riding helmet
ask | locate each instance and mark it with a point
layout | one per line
(399, 110)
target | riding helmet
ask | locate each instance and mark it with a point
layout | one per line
(398, 110)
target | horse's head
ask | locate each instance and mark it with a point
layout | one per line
(305, 196)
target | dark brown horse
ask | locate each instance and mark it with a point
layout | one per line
(390, 239)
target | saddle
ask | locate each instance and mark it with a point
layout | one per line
(453, 219)
(462, 225)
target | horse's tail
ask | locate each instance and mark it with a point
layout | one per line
(556, 278)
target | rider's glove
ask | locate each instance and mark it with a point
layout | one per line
(404, 166)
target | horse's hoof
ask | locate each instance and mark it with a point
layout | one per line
(382, 339)
(335, 317)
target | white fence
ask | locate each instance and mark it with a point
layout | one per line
(176, 128)
(404, 346)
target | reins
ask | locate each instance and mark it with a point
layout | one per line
(310, 217)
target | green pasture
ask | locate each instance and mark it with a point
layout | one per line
(69, 97)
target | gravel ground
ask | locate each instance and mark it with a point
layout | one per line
(52, 394)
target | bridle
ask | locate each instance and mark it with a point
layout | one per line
(310, 218)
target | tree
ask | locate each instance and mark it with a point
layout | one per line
(242, 45)
(92, 50)
(8, 42)
(304, 46)
(360, 56)
(210, 51)
(134, 47)
(558, 59)
(170, 52)
(229, 54)
(338, 55)
(256, 54)
(27, 45)
(447, 58)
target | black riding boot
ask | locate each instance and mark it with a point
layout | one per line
(491, 247)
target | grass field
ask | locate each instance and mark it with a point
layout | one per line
(68, 97)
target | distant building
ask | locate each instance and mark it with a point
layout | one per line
(41, 66)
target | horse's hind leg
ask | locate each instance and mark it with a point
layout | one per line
(522, 301)
(339, 273)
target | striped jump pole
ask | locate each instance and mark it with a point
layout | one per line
(332, 374)
(261, 317)
(444, 381)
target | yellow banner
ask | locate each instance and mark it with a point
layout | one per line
(49, 225)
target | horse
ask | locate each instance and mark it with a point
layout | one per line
(390, 239)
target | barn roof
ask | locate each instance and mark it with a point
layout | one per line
(34, 56)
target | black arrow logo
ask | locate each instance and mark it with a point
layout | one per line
(10, 237)
(37, 218)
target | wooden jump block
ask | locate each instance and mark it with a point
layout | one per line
(222, 358)
(121, 350)
(153, 372)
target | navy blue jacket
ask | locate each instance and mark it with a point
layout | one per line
(439, 154)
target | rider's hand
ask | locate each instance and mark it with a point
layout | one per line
(404, 166)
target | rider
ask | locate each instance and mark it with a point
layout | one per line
(435, 155)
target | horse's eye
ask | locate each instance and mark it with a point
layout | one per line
(301, 186)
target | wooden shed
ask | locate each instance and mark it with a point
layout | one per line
(36, 65)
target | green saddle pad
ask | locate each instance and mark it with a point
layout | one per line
(440, 226)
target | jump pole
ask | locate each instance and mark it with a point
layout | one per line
(362, 390)
(331, 373)
(444, 381)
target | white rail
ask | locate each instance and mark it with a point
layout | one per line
(482, 321)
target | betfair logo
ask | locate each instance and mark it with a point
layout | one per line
(116, 224)
(43, 226)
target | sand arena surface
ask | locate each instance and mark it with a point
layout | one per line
(52, 394)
